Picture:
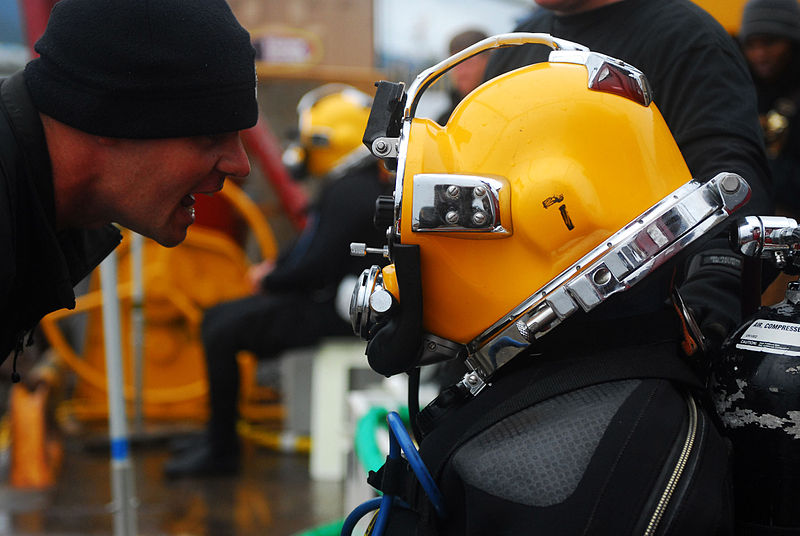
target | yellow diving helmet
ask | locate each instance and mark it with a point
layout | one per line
(549, 189)
(331, 122)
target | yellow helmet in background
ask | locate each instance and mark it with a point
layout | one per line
(551, 188)
(331, 121)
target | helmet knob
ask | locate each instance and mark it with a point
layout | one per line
(384, 211)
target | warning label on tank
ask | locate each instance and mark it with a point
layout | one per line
(772, 336)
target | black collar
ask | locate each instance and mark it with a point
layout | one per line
(29, 133)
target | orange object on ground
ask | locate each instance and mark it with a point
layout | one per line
(35, 456)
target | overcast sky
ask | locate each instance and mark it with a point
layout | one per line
(421, 29)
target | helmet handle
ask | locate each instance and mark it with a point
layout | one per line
(427, 77)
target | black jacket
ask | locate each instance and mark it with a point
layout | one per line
(342, 213)
(39, 265)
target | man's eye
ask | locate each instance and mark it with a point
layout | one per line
(217, 139)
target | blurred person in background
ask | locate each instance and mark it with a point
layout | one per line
(468, 74)
(130, 110)
(770, 38)
(294, 303)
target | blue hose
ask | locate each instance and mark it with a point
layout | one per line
(398, 440)
(382, 519)
(358, 512)
(415, 461)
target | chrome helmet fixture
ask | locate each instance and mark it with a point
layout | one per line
(550, 189)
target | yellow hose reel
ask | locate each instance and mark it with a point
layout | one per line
(178, 284)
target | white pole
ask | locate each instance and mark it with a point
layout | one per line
(122, 484)
(137, 328)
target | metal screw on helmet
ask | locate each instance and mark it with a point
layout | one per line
(479, 191)
(730, 183)
(385, 147)
(451, 216)
(453, 191)
(473, 382)
(602, 276)
(479, 218)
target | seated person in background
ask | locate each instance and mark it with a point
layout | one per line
(770, 37)
(294, 300)
(467, 75)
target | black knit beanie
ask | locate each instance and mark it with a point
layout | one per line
(779, 18)
(145, 68)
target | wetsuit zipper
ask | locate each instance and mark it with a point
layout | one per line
(680, 465)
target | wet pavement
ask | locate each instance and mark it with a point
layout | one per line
(273, 495)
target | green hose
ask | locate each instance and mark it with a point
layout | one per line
(331, 529)
(366, 447)
(367, 452)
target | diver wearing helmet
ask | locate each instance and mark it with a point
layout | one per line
(520, 230)
(294, 301)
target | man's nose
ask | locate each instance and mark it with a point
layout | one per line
(234, 161)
